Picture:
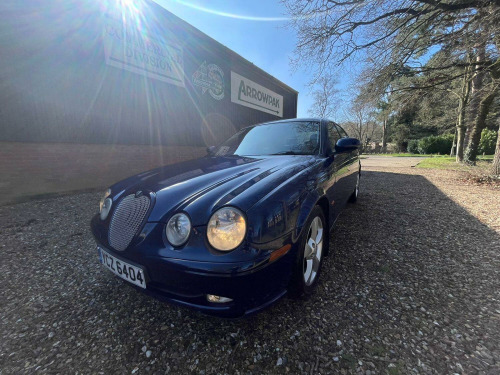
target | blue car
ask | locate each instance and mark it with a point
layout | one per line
(232, 232)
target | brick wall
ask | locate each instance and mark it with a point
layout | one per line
(31, 169)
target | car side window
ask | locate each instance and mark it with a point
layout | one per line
(342, 132)
(333, 135)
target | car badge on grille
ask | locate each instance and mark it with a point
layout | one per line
(138, 194)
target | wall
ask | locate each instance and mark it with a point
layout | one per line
(33, 169)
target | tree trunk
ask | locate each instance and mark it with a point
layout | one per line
(496, 159)
(461, 131)
(476, 87)
(479, 125)
(461, 127)
(454, 144)
(495, 73)
(384, 136)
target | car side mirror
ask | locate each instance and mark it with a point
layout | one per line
(211, 150)
(347, 144)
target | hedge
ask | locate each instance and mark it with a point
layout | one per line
(488, 142)
(435, 144)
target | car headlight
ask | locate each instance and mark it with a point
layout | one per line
(105, 205)
(226, 229)
(178, 229)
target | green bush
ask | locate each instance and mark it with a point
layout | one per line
(413, 146)
(488, 142)
(435, 144)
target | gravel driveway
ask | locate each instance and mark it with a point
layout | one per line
(412, 287)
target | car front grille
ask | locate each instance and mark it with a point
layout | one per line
(127, 219)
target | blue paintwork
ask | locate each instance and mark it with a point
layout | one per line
(347, 144)
(276, 193)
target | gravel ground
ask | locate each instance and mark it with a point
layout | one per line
(412, 287)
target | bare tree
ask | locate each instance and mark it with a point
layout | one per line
(391, 35)
(362, 124)
(325, 97)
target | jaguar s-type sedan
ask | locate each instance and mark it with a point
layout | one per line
(232, 232)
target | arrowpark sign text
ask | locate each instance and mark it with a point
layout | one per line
(253, 95)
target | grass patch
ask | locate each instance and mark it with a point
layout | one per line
(486, 157)
(406, 155)
(450, 163)
(438, 163)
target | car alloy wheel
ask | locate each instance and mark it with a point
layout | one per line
(354, 196)
(357, 187)
(313, 251)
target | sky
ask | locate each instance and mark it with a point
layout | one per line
(255, 30)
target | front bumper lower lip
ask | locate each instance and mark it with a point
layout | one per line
(252, 286)
(228, 310)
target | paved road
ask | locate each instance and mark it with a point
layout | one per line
(389, 162)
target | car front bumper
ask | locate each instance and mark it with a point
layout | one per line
(252, 286)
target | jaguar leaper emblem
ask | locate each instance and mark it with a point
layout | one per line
(210, 77)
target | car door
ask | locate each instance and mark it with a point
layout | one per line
(348, 167)
(332, 165)
(338, 172)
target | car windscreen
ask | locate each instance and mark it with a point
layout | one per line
(281, 138)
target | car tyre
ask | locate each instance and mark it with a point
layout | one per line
(307, 267)
(354, 196)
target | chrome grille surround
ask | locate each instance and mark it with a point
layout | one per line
(127, 219)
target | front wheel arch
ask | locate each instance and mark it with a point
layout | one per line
(298, 286)
(305, 212)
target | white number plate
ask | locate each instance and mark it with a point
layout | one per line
(126, 271)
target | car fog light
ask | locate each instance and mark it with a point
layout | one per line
(217, 299)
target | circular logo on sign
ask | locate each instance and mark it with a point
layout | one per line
(210, 77)
(216, 75)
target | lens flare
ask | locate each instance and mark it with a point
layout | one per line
(231, 15)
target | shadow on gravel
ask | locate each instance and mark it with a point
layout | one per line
(412, 286)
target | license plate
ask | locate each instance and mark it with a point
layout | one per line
(126, 271)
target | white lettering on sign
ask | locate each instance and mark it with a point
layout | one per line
(253, 95)
(136, 51)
